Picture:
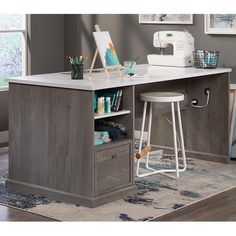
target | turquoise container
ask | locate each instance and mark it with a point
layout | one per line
(129, 67)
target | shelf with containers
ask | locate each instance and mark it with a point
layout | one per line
(109, 102)
(124, 115)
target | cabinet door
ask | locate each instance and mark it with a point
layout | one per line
(113, 168)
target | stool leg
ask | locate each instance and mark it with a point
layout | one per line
(175, 140)
(141, 135)
(181, 137)
(149, 132)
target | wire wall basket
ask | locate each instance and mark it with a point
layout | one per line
(206, 59)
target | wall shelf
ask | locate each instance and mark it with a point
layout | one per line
(117, 113)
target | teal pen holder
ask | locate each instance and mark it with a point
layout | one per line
(129, 67)
(77, 72)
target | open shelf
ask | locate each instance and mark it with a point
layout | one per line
(110, 114)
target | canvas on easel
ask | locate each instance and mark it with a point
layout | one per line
(106, 51)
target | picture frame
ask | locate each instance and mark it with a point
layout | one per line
(182, 19)
(220, 23)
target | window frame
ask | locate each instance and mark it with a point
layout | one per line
(24, 31)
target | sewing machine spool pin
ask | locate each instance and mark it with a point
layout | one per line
(162, 51)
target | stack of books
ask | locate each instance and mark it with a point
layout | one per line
(115, 96)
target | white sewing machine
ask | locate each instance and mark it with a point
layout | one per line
(183, 47)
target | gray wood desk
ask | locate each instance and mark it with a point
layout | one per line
(51, 130)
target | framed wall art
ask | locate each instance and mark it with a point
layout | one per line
(166, 19)
(220, 24)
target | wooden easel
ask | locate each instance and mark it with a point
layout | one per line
(107, 68)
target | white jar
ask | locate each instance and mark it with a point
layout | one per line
(101, 109)
(108, 105)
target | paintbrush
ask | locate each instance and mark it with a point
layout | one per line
(133, 61)
(85, 59)
(76, 60)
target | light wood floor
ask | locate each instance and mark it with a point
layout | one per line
(12, 214)
(220, 207)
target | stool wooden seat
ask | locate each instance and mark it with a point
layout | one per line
(160, 97)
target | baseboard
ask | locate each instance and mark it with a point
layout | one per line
(59, 195)
(197, 155)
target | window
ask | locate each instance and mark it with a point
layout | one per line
(13, 41)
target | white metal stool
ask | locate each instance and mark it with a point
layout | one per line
(167, 97)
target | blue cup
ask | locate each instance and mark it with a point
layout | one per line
(129, 67)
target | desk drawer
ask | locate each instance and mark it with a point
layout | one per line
(113, 168)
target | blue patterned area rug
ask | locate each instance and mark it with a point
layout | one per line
(157, 195)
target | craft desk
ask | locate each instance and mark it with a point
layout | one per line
(51, 130)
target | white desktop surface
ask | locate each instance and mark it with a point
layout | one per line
(3, 88)
(99, 80)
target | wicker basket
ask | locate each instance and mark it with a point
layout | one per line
(206, 59)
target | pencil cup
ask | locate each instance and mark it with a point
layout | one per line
(129, 67)
(77, 71)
